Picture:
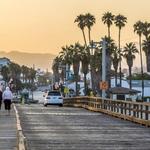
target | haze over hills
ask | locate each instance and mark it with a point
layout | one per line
(42, 61)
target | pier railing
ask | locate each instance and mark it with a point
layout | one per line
(133, 111)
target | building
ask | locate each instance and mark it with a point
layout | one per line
(4, 62)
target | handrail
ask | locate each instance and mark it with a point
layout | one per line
(133, 111)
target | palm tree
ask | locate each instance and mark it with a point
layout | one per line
(55, 68)
(75, 49)
(146, 29)
(89, 22)
(120, 22)
(107, 19)
(146, 46)
(129, 54)
(65, 56)
(138, 29)
(115, 61)
(5, 73)
(81, 24)
(85, 60)
(146, 49)
(24, 70)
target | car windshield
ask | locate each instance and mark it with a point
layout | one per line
(54, 94)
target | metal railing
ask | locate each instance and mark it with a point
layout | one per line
(133, 111)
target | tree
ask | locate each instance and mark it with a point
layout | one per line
(108, 19)
(146, 49)
(115, 61)
(146, 29)
(146, 43)
(120, 22)
(24, 71)
(129, 54)
(5, 73)
(55, 68)
(89, 22)
(138, 29)
(81, 24)
(75, 49)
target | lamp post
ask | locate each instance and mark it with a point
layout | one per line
(92, 52)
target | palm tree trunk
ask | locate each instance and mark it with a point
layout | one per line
(141, 66)
(85, 85)
(84, 38)
(108, 32)
(115, 77)
(148, 63)
(76, 87)
(89, 30)
(130, 78)
(119, 57)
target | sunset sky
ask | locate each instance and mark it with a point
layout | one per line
(44, 26)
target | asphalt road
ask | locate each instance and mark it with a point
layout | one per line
(65, 128)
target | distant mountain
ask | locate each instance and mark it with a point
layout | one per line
(43, 61)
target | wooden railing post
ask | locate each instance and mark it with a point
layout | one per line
(146, 112)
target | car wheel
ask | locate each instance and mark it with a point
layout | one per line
(61, 105)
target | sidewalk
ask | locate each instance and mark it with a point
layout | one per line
(8, 130)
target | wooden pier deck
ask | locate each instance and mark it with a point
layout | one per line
(8, 131)
(68, 128)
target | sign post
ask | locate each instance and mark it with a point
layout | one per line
(104, 69)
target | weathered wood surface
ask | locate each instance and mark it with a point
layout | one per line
(66, 128)
(8, 131)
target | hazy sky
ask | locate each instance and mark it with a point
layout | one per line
(45, 25)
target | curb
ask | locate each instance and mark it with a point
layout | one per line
(21, 139)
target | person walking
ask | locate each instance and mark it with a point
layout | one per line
(7, 97)
(1, 97)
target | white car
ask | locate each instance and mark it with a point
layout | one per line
(53, 97)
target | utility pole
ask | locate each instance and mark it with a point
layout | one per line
(104, 67)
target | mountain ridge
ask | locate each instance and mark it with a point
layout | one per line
(39, 60)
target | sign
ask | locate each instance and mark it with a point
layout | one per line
(103, 85)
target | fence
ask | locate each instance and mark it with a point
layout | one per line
(133, 111)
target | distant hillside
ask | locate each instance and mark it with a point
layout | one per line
(43, 61)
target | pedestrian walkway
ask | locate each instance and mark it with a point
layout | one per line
(8, 130)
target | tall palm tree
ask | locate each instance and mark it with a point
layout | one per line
(89, 22)
(115, 61)
(146, 46)
(107, 19)
(146, 49)
(138, 29)
(81, 24)
(129, 54)
(120, 22)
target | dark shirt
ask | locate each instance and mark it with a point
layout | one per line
(1, 93)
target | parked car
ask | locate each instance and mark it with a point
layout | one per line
(53, 97)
